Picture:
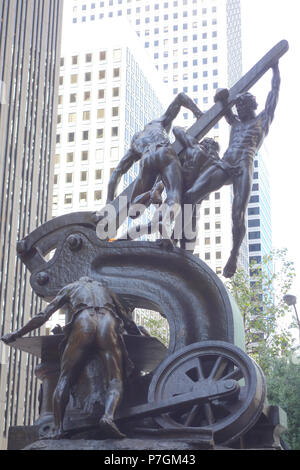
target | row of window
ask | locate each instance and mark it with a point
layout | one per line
(88, 76)
(69, 177)
(85, 155)
(165, 30)
(88, 57)
(83, 197)
(207, 257)
(156, 6)
(87, 95)
(86, 115)
(86, 135)
(194, 50)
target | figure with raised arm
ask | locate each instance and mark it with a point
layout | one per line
(97, 323)
(157, 158)
(248, 131)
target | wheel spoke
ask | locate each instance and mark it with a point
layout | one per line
(218, 368)
(208, 413)
(236, 374)
(191, 415)
(200, 369)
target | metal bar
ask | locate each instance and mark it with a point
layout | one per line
(175, 403)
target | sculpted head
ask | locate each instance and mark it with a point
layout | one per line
(211, 146)
(246, 105)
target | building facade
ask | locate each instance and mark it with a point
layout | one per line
(259, 212)
(30, 36)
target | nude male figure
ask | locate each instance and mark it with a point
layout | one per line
(98, 322)
(157, 158)
(197, 157)
(248, 131)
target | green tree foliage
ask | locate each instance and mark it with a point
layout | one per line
(283, 383)
(259, 295)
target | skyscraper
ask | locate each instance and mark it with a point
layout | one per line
(30, 35)
(196, 46)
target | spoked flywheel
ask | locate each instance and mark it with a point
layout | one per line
(210, 366)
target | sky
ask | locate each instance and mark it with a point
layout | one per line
(264, 24)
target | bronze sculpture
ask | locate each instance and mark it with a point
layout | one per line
(98, 322)
(157, 158)
(207, 390)
(236, 167)
(198, 156)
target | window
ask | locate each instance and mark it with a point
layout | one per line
(218, 225)
(116, 92)
(255, 187)
(55, 181)
(254, 199)
(70, 157)
(88, 58)
(85, 135)
(253, 211)
(73, 98)
(102, 74)
(87, 96)
(98, 195)
(255, 247)
(61, 80)
(116, 72)
(100, 113)
(114, 131)
(71, 137)
(75, 60)
(218, 255)
(101, 94)
(60, 99)
(217, 210)
(72, 117)
(102, 56)
(84, 156)
(254, 235)
(217, 195)
(254, 223)
(207, 226)
(218, 240)
(74, 79)
(255, 259)
(68, 199)
(207, 241)
(83, 197)
(98, 174)
(87, 77)
(59, 117)
(100, 133)
(62, 62)
(115, 111)
(69, 177)
(57, 159)
(206, 211)
(207, 256)
(83, 176)
(86, 116)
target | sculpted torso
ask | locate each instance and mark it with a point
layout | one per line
(245, 139)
